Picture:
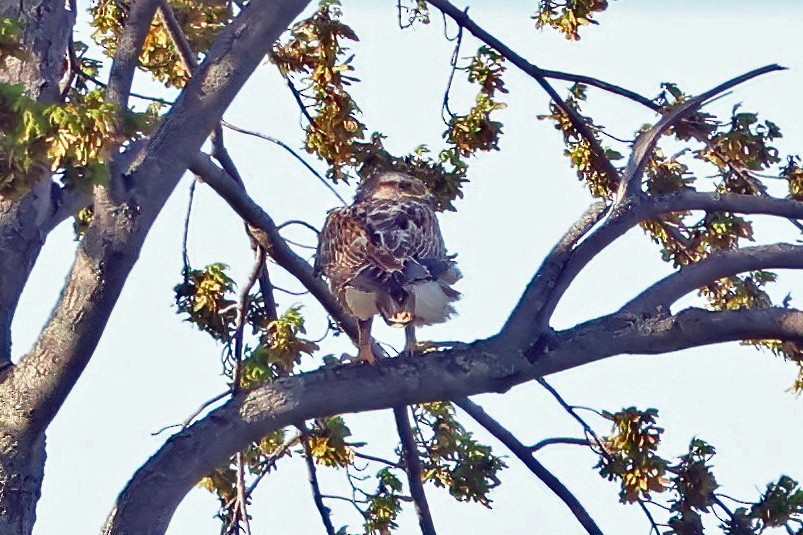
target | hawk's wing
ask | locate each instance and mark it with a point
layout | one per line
(408, 230)
(379, 238)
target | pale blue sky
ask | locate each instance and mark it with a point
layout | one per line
(151, 370)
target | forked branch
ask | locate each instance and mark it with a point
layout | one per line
(524, 454)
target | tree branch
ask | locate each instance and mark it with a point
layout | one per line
(149, 500)
(534, 310)
(643, 148)
(662, 294)
(264, 230)
(520, 326)
(126, 58)
(412, 465)
(578, 122)
(316, 489)
(112, 244)
(292, 152)
(524, 454)
(557, 440)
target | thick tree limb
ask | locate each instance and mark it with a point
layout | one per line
(546, 288)
(525, 455)
(149, 500)
(113, 242)
(46, 29)
(520, 326)
(661, 295)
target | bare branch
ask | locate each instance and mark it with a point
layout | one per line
(376, 459)
(242, 312)
(177, 34)
(661, 295)
(558, 440)
(412, 465)
(524, 454)
(520, 326)
(292, 152)
(640, 155)
(121, 75)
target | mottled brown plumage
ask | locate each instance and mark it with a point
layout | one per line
(385, 255)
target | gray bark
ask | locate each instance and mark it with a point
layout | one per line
(24, 224)
(149, 500)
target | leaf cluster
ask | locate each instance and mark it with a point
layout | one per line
(631, 454)
(258, 459)
(568, 16)
(10, 30)
(475, 131)
(327, 441)
(590, 167)
(452, 458)
(314, 52)
(279, 350)
(206, 298)
(160, 56)
(384, 506)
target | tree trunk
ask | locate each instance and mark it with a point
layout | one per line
(47, 25)
(22, 462)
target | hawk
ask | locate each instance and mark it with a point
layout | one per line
(385, 255)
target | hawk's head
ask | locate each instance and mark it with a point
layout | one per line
(392, 186)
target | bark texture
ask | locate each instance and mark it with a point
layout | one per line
(24, 224)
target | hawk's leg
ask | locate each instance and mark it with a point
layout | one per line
(366, 352)
(409, 338)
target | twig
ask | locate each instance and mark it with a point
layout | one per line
(313, 481)
(289, 149)
(648, 514)
(558, 440)
(184, 254)
(299, 100)
(242, 312)
(266, 289)
(377, 459)
(298, 222)
(452, 69)
(200, 409)
(289, 292)
(271, 463)
(523, 453)
(242, 498)
(414, 470)
(570, 409)
(194, 415)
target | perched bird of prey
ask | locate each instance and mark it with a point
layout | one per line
(385, 255)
